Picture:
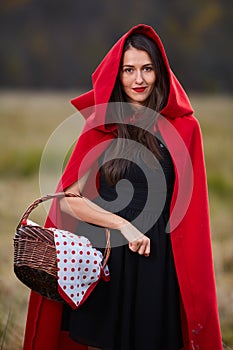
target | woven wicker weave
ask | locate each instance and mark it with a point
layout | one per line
(35, 261)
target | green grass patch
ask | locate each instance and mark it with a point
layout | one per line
(227, 334)
(220, 186)
(16, 163)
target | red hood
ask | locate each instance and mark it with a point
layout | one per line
(105, 75)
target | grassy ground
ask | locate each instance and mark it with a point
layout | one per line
(27, 121)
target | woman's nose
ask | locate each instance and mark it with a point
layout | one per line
(139, 77)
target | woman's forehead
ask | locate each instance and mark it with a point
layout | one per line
(134, 57)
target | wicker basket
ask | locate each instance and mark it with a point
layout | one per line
(35, 261)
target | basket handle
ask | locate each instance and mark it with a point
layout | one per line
(35, 204)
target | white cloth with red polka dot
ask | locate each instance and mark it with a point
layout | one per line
(79, 267)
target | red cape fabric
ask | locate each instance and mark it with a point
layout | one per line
(189, 220)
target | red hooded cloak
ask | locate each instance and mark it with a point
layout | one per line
(189, 221)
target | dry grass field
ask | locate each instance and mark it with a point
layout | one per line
(27, 119)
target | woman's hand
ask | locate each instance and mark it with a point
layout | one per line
(138, 242)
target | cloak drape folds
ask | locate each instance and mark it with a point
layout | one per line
(189, 219)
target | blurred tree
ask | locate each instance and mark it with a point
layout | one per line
(58, 44)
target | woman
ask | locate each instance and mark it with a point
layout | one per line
(162, 292)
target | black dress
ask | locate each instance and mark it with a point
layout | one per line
(139, 308)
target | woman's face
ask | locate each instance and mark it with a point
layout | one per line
(137, 75)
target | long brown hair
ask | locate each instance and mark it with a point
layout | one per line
(121, 112)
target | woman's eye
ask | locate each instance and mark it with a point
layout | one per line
(148, 69)
(128, 70)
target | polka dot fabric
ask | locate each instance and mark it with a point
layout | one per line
(79, 267)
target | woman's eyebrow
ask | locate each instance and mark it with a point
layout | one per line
(131, 65)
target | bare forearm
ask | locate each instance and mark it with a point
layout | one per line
(85, 210)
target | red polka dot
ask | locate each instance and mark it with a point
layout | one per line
(94, 270)
(58, 260)
(73, 261)
(72, 295)
(64, 278)
(65, 269)
(81, 252)
(79, 269)
(95, 262)
(95, 254)
(65, 243)
(72, 278)
(77, 294)
(58, 251)
(72, 243)
(71, 287)
(56, 235)
(57, 243)
(80, 260)
(65, 260)
(65, 251)
(64, 287)
(73, 252)
(72, 269)
(78, 287)
(88, 253)
(80, 244)
(83, 285)
(92, 277)
(88, 261)
(84, 277)
(86, 269)
(82, 292)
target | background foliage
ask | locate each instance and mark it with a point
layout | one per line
(57, 44)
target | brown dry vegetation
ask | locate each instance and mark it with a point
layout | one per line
(27, 121)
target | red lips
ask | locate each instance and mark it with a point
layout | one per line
(139, 89)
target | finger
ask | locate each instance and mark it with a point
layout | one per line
(142, 246)
(136, 244)
(145, 248)
(133, 246)
(142, 249)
